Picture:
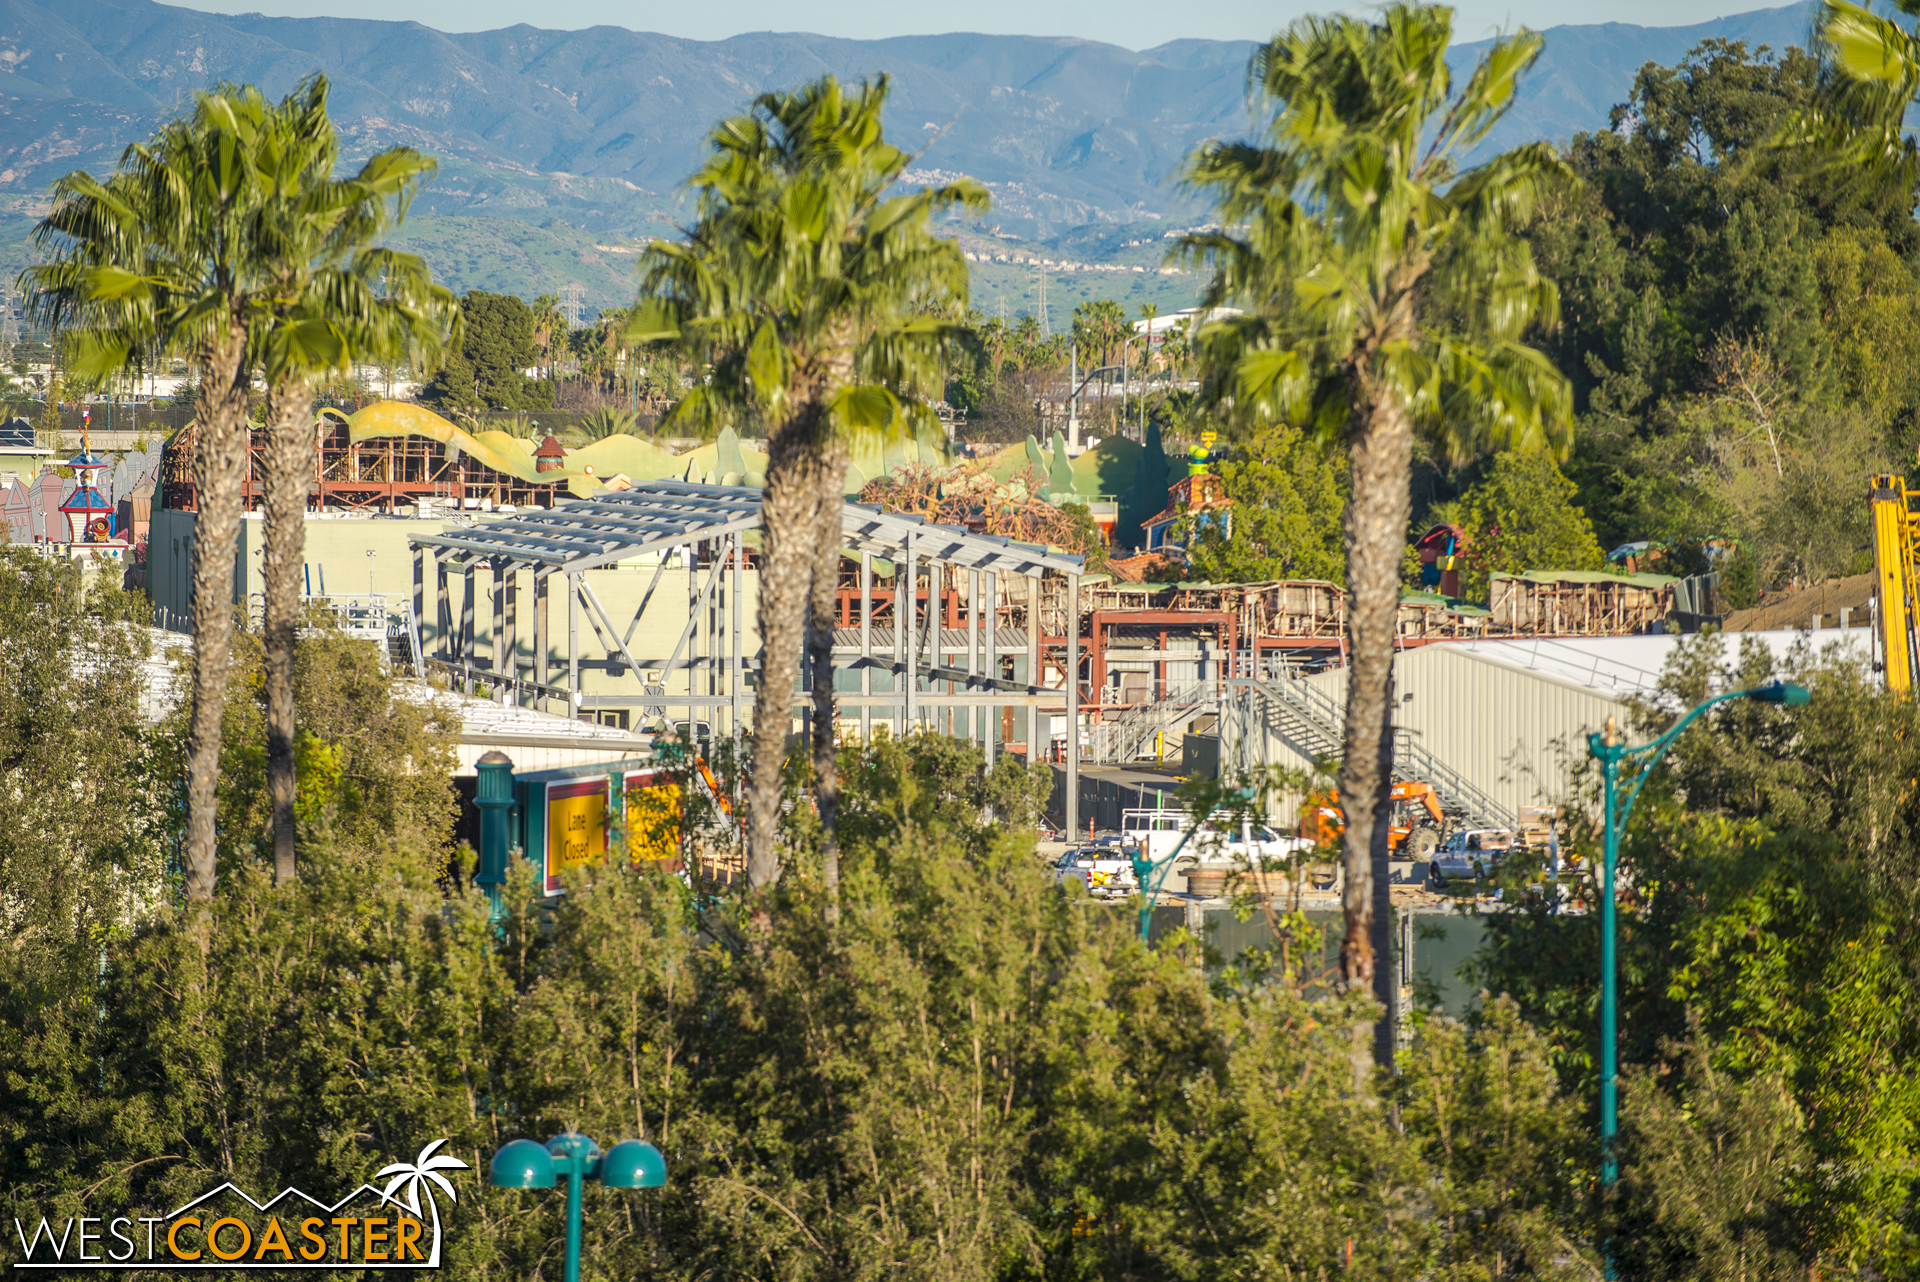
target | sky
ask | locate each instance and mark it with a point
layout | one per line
(1132, 24)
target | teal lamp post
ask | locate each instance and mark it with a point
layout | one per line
(523, 1164)
(1610, 752)
(493, 795)
(1150, 875)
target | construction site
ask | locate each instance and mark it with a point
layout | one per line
(615, 582)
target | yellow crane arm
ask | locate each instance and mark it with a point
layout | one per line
(1895, 580)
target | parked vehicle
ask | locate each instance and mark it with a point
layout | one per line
(1104, 871)
(1471, 853)
(1221, 839)
(1137, 825)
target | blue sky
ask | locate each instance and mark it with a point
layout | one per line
(1135, 24)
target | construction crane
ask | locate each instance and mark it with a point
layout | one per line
(1896, 534)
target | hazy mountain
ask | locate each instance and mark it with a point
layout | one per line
(1066, 131)
(576, 137)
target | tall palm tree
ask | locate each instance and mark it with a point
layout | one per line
(549, 331)
(159, 253)
(815, 291)
(333, 299)
(1384, 293)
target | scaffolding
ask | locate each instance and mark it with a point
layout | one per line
(936, 609)
(1561, 603)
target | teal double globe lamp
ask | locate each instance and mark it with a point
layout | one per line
(1639, 761)
(525, 1164)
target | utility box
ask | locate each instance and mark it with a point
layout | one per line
(1200, 756)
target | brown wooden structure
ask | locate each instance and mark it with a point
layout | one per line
(379, 474)
(1579, 604)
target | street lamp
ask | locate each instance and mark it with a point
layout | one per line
(524, 1164)
(1609, 751)
(1150, 875)
(1148, 336)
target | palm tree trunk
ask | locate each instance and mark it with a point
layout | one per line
(289, 468)
(219, 467)
(827, 541)
(787, 559)
(1381, 445)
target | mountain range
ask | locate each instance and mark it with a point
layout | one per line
(596, 130)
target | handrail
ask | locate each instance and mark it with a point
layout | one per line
(1322, 718)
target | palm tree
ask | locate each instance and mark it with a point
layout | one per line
(334, 300)
(1384, 293)
(423, 1175)
(817, 294)
(549, 330)
(1854, 131)
(159, 253)
(602, 425)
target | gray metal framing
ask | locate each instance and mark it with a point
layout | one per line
(663, 517)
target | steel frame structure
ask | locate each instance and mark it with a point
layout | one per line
(709, 527)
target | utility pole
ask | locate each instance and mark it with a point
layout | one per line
(9, 331)
(1073, 398)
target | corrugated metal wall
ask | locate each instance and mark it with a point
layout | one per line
(1513, 733)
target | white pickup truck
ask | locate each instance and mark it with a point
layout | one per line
(1219, 841)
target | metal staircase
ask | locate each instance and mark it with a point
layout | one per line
(1310, 722)
(1134, 734)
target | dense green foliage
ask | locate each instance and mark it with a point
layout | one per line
(1771, 1118)
(83, 842)
(1289, 495)
(1739, 323)
(973, 1075)
(374, 761)
(1522, 515)
(486, 369)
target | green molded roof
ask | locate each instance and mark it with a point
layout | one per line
(727, 460)
(1452, 605)
(1592, 576)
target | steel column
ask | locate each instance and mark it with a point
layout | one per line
(1072, 628)
(738, 690)
(497, 603)
(419, 620)
(911, 629)
(866, 644)
(1036, 751)
(467, 655)
(443, 601)
(973, 644)
(512, 632)
(992, 715)
(573, 645)
(542, 598)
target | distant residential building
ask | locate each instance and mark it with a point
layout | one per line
(21, 453)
